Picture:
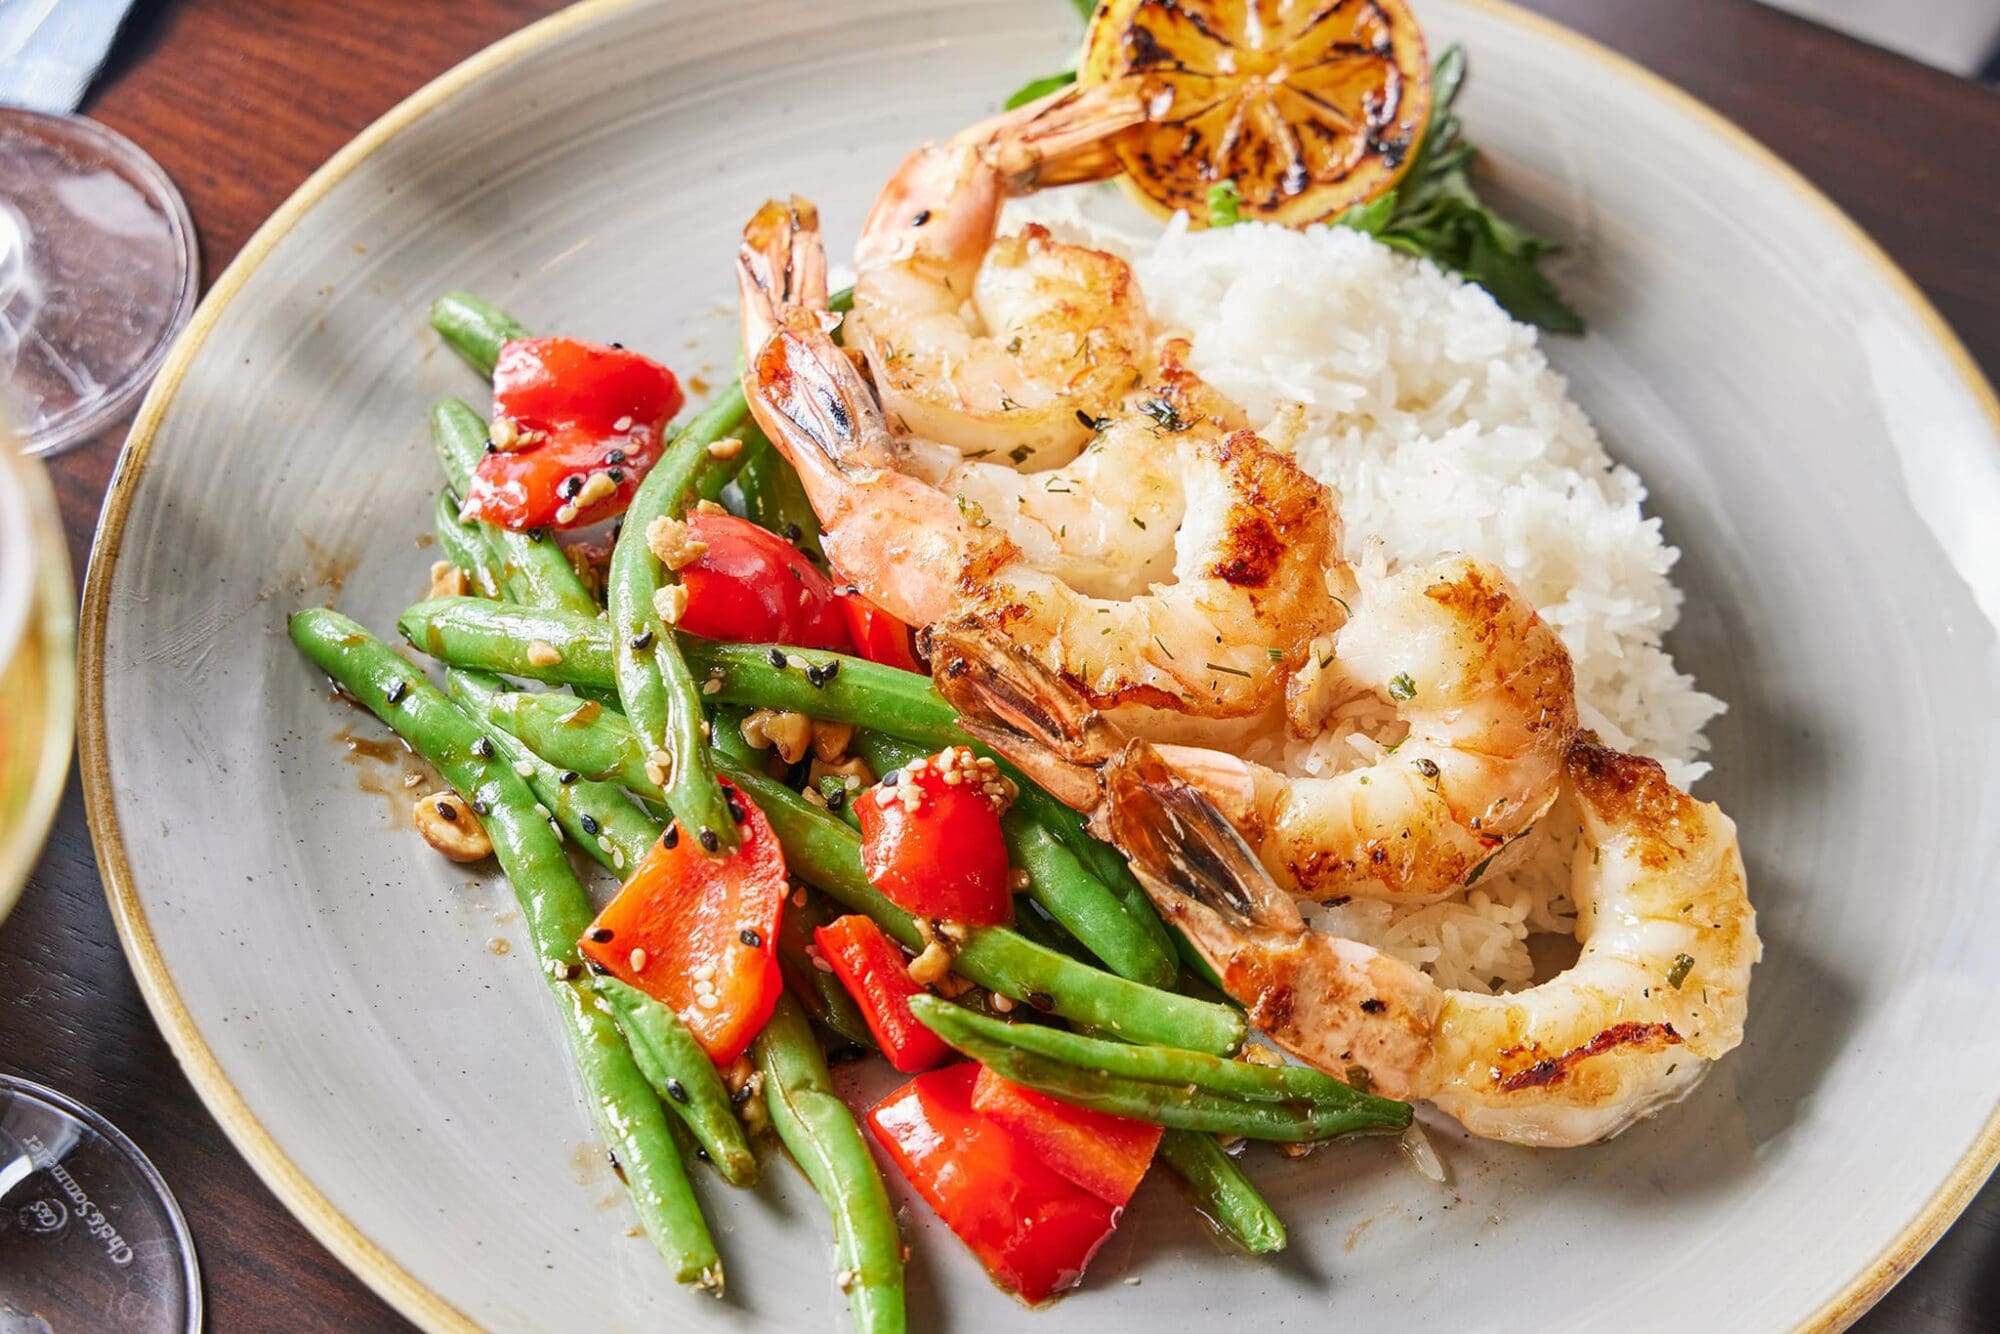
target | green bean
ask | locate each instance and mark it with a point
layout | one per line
(512, 641)
(822, 851)
(596, 743)
(820, 1133)
(556, 910)
(532, 565)
(475, 329)
(596, 815)
(465, 546)
(1189, 1090)
(680, 1071)
(653, 680)
(774, 498)
(725, 734)
(1057, 881)
(1221, 1192)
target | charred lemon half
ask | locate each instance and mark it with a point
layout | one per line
(1309, 106)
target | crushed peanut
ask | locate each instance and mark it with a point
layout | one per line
(598, 486)
(726, 448)
(447, 580)
(790, 733)
(670, 541)
(1255, 1054)
(853, 773)
(1001, 1004)
(930, 966)
(449, 826)
(829, 740)
(670, 601)
(541, 653)
(708, 507)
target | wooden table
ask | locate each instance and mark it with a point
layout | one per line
(239, 101)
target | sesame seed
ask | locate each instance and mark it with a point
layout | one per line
(777, 658)
(525, 768)
(567, 776)
(637, 958)
(589, 823)
(708, 839)
(750, 938)
(397, 689)
(671, 837)
(601, 934)
(483, 748)
(677, 1090)
(642, 639)
(708, 1001)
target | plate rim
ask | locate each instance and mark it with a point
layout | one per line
(360, 1254)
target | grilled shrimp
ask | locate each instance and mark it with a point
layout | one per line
(1008, 346)
(1245, 534)
(1658, 993)
(1488, 694)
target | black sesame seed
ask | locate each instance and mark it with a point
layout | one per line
(891, 778)
(828, 672)
(481, 808)
(567, 777)
(394, 694)
(483, 748)
(671, 837)
(677, 1090)
(569, 486)
(643, 638)
(1041, 1000)
(751, 938)
(615, 474)
(601, 934)
(615, 457)
(588, 822)
(619, 346)
(814, 678)
(702, 1154)
(447, 809)
(793, 532)
(736, 810)
(1428, 768)
(777, 657)
(836, 798)
(708, 839)
(492, 448)
(923, 216)
(536, 534)
(596, 967)
(741, 1095)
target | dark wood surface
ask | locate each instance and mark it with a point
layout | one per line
(240, 99)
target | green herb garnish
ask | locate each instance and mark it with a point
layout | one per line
(1225, 204)
(1683, 965)
(1434, 213)
(1401, 687)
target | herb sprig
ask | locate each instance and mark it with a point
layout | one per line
(1435, 213)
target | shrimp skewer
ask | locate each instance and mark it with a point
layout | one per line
(1659, 992)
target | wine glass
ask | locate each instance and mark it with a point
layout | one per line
(98, 272)
(90, 1236)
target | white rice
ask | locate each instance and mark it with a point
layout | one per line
(1443, 428)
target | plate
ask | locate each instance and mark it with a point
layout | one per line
(1815, 439)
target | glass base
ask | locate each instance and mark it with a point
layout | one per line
(98, 271)
(90, 1237)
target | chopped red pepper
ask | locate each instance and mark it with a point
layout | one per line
(931, 841)
(699, 932)
(1106, 1155)
(1032, 1229)
(872, 968)
(576, 426)
(876, 635)
(753, 587)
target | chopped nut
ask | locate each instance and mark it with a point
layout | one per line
(955, 932)
(790, 733)
(541, 653)
(505, 435)
(598, 486)
(1255, 1054)
(1019, 880)
(726, 448)
(931, 965)
(1298, 1149)
(1001, 1004)
(951, 986)
(708, 507)
(829, 740)
(451, 828)
(670, 601)
(853, 772)
(447, 580)
(670, 541)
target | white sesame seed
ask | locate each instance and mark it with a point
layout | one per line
(525, 768)
(638, 960)
(708, 1001)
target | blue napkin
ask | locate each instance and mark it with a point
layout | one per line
(51, 49)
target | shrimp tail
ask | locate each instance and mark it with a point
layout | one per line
(1064, 139)
(1014, 703)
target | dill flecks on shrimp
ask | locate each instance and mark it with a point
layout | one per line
(1161, 558)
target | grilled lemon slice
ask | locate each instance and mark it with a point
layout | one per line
(1309, 106)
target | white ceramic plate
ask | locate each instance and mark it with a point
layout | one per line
(1814, 438)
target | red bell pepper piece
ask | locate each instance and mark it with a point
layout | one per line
(578, 424)
(934, 846)
(753, 587)
(872, 968)
(876, 635)
(1106, 1155)
(1032, 1229)
(699, 932)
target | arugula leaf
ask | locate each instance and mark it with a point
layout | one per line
(1037, 88)
(1435, 213)
(1084, 8)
